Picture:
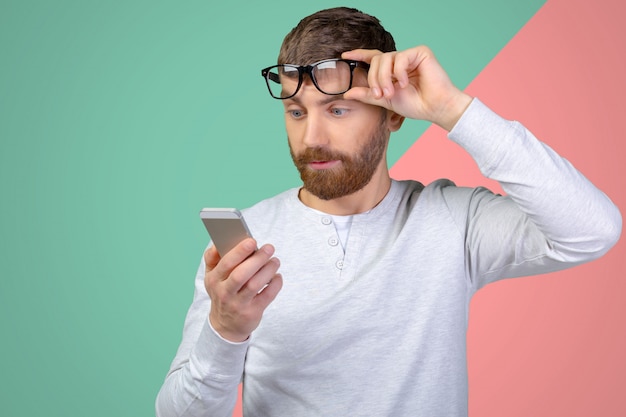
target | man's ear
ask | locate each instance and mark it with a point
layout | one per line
(394, 121)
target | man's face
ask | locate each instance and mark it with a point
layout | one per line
(337, 145)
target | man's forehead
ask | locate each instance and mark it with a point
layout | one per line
(327, 62)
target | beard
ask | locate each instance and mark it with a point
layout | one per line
(354, 172)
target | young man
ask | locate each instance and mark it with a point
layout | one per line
(369, 312)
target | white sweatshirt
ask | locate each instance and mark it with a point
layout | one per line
(380, 330)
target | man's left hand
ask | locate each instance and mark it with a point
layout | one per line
(411, 83)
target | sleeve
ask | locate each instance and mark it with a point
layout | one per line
(551, 218)
(207, 369)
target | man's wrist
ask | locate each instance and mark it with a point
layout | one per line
(453, 110)
(225, 335)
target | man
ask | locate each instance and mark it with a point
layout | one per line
(369, 312)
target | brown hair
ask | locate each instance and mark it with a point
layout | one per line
(328, 33)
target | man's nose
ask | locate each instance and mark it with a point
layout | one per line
(314, 132)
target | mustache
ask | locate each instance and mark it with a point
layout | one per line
(319, 154)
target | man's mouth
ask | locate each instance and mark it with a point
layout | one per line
(319, 165)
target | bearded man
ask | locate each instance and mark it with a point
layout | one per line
(368, 314)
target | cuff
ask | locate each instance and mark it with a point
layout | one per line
(216, 357)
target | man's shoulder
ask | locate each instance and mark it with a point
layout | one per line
(436, 187)
(441, 192)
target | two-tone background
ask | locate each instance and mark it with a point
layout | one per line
(120, 120)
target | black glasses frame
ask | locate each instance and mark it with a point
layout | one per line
(308, 69)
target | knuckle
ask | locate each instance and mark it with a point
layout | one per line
(237, 276)
(213, 291)
(255, 286)
(227, 263)
(219, 298)
(210, 279)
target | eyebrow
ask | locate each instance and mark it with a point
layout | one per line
(322, 102)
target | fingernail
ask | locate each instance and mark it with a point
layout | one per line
(269, 249)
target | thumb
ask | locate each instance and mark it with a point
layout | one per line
(211, 258)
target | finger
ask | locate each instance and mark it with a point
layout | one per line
(269, 293)
(364, 55)
(370, 56)
(385, 73)
(372, 78)
(211, 258)
(245, 270)
(234, 257)
(260, 280)
(376, 91)
(367, 96)
(401, 68)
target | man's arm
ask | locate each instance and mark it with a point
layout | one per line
(206, 370)
(227, 306)
(553, 216)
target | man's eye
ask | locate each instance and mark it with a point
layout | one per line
(338, 112)
(295, 113)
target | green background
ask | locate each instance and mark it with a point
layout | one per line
(118, 122)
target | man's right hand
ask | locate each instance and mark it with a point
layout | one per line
(234, 284)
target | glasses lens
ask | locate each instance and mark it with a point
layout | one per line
(332, 77)
(282, 80)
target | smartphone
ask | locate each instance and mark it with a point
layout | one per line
(226, 227)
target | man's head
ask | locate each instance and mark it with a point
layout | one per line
(328, 33)
(338, 145)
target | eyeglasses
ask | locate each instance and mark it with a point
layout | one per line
(330, 76)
